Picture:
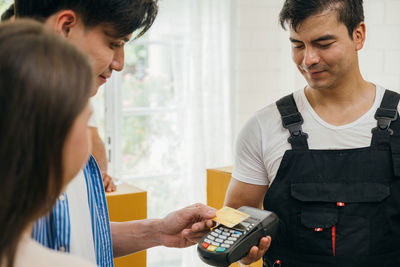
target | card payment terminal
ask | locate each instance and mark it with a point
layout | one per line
(224, 246)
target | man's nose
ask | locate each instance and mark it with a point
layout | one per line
(118, 60)
(311, 57)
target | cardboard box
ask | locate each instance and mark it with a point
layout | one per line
(126, 204)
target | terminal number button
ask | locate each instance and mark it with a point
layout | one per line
(211, 248)
(220, 249)
(205, 245)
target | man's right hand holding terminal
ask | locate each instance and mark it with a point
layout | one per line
(256, 252)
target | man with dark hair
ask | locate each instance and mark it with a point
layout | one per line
(350, 13)
(79, 222)
(98, 146)
(325, 159)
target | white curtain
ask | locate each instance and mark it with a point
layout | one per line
(198, 32)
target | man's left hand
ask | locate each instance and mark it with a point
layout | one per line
(108, 182)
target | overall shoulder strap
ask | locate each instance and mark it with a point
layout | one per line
(387, 131)
(292, 120)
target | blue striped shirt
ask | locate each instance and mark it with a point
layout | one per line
(53, 230)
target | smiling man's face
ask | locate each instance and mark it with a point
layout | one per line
(323, 51)
(105, 52)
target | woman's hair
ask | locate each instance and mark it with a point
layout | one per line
(44, 85)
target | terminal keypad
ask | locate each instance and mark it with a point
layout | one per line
(222, 238)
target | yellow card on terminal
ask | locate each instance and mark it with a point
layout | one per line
(230, 217)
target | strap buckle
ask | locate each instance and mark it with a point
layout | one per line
(384, 118)
(293, 123)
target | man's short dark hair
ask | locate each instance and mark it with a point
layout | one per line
(8, 13)
(124, 16)
(294, 12)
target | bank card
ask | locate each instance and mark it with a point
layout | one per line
(230, 217)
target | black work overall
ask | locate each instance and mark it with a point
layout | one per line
(338, 207)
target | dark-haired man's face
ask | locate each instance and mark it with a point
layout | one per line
(323, 51)
(106, 53)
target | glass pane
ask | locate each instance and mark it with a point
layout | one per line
(150, 144)
(147, 78)
(4, 4)
(98, 109)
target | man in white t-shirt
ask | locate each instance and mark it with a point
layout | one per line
(312, 158)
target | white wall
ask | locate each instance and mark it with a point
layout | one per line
(380, 57)
(263, 68)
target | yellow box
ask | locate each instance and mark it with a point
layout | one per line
(217, 183)
(126, 204)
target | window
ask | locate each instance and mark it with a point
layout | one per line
(149, 112)
(168, 112)
(4, 4)
(143, 111)
(142, 130)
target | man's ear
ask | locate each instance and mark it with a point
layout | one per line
(359, 36)
(63, 21)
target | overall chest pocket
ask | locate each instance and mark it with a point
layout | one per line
(337, 219)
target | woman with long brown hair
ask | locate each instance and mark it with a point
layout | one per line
(45, 85)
